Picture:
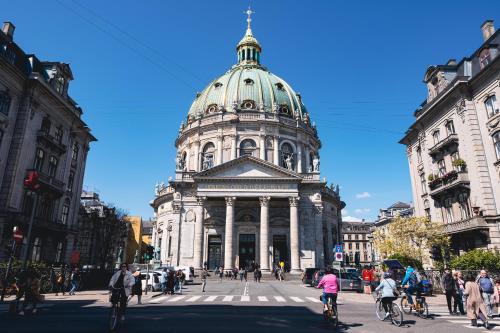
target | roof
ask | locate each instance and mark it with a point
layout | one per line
(399, 205)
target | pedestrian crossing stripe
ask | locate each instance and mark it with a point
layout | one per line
(280, 299)
(262, 298)
(175, 299)
(210, 299)
(245, 298)
(296, 299)
(227, 298)
(233, 298)
(193, 299)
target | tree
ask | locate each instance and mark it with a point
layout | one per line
(477, 259)
(409, 236)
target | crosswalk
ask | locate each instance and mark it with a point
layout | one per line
(462, 321)
(232, 299)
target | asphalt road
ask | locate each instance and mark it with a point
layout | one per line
(230, 306)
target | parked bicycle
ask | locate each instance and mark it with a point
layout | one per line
(395, 313)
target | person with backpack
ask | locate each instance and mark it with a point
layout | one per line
(411, 281)
(486, 286)
(449, 286)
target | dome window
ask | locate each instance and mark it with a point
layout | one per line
(248, 81)
(248, 105)
(287, 157)
(280, 86)
(212, 108)
(283, 109)
(247, 147)
(217, 85)
(208, 156)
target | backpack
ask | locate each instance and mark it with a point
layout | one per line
(414, 279)
(486, 285)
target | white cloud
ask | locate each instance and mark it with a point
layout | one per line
(360, 211)
(363, 195)
(345, 212)
(350, 219)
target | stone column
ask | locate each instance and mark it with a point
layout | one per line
(233, 147)
(276, 155)
(264, 233)
(308, 158)
(198, 234)
(329, 242)
(219, 149)
(318, 224)
(196, 159)
(294, 234)
(228, 241)
(299, 158)
(262, 146)
(188, 165)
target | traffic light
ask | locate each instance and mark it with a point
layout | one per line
(31, 181)
(149, 252)
(435, 253)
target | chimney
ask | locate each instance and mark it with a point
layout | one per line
(488, 29)
(8, 29)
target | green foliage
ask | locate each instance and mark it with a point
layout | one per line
(431, 177)
(406, 260)
(459, 163)
(477, 259)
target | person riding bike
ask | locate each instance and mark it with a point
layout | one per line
(389, 292)
(412, 281)
(329, 283)
(124, 281)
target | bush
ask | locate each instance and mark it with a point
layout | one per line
(476, 260)
(407, 261)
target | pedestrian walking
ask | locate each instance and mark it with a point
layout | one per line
(170, 282)
(486, 286)
(163, 281)
(459, 287)
(74, 280)
(257, 275)
(221, 273)
(242, 274)
(449, 286)
(137, 287)
(60, 278)
(475, 304)
(181, 278)
(204, 275)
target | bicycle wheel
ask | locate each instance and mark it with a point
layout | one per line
(334, 318)
(396, 315)
(405, 306)
(113, 317)
(379, 310)
(423, 312)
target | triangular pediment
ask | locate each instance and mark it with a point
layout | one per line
(247, 167)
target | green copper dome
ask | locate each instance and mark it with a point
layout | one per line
(248, 86)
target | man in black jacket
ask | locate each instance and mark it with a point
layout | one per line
(449, 287)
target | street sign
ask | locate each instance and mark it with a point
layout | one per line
(339, 256)
(338, 248)
(18, 236)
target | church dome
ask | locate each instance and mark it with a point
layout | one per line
(248, 86)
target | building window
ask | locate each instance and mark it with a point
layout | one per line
(74, 151)
(356, 237)
(53, 166)
(212, 108)
(450, 127)
(39, 158)
(496, 142)
(463, 200)
(4, 103)
(349, 237)
(435, 136)
(46, 207)
(37, 250)
(59, 84)
(448, 207)
(59, 134)
(364, 246)
(491, 105)
(454, 157)
(71, 180)
(350, 246)
(427, 210)
(65, 212)
(423, 183)
(441, 168)
(484, 58)
(287, 157)
(46, 124)
(207, 158)
(419, 154)
(59, 251)
(247, 147)
(169, 245)
(357, 246)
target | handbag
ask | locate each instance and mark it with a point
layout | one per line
(395, 291)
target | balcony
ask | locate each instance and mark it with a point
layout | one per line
(442, 145)
(473, 223)
(449, 182)
(50, 141)
(51, 184)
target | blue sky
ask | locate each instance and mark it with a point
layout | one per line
(358, 65)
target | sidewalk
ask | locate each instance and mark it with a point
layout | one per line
(435, 300)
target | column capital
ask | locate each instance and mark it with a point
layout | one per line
(230, 201)
(293, 201)
(200, 200)
(264, 201)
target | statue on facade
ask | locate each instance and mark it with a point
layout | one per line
(316, 164)
(307, 120)
(157, 188)
(289, 162)
(207, 162)
(180, 163)
(261, 107)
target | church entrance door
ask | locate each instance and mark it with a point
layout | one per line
(280, 250)
(214, 252)
(246, 250)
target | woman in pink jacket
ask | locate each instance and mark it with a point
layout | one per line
(329, 283)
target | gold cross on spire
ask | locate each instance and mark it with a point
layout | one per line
(249, 13)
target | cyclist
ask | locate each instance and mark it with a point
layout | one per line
(329, 283)
(389, 292)
(124, 281)
(412, 283)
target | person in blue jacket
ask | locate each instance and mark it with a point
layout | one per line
(411, 282)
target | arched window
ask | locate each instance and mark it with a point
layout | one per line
(247, 147)
(491, 105)
(248, 105)
(211, 108)
(207, 157)
(39, 159)
(284, 110)
(287, 156)
(484, 58)
(450, 128)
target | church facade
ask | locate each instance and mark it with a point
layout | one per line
(247, 187)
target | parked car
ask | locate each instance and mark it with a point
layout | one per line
(308, 275)
(348, 281)
(153, 281)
